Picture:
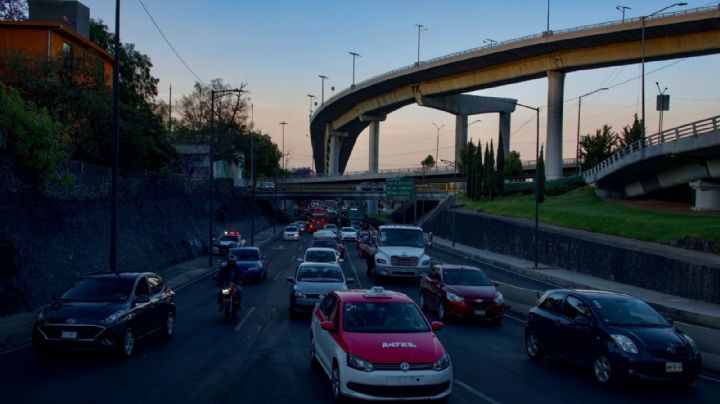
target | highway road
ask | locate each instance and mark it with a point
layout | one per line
(262, 357)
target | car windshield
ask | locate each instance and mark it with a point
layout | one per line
(348, 229)
(318, 216)
(246, 255)
(383, 317)
(466, 277)
(319, 274)
(291, 229)
(626, 311)
(228, 238)
(106, 289)
(320, 256)
(401, 237)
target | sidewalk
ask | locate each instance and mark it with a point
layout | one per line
(15, 330)
(701, 320)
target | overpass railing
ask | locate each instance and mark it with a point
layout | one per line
(544, 34)
(360, 175)
(705, 126)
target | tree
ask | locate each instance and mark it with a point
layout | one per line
(513, 166)
(540, 175)
(479, 176)
(302, 172)
(596, 148)
(428, 162)
(500, 165)
(631, 134)
(32, 137)
(13, 10)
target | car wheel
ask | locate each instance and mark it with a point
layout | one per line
(603, 369)
(423, 303)
(128, 343)
(532, 346)
(335, 380)
(441, 311)
(169, 328)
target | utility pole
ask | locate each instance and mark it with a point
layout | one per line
(622, 10)
(282, 124)
(420, 28)
(354, 56)
(115, 145)
(322, 93)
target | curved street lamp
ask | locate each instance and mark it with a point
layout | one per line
(577, 147)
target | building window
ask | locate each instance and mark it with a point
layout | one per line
(67, 54)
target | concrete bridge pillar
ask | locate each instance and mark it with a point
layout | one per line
(553, 143)
(461, 138)
(334, 157)
(374, 152)
(505, 133)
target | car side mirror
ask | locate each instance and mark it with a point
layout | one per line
(583, 321)
(328, 326)
(350, 280)
(142, 299)
(436, 325)
(290, 279)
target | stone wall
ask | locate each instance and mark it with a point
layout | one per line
(48, 238)
(648, 265)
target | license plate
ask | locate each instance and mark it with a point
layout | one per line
(479, 312)
(404, 380)
(673, 367)
(69, 335)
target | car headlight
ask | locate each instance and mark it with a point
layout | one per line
(691, 342)
(359, 363)
(625, 343)
(114, 317)
(499, 298)
(299, 294)
(381, 261)
(226, 292)
(425, 261)
(442, 363)
(453, 297)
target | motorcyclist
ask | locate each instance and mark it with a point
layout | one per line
(229, 274)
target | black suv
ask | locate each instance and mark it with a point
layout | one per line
(617, 335)
(106, 311)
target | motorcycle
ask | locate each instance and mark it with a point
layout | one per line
(230, 301)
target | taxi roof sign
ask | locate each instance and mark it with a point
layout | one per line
(377, 291)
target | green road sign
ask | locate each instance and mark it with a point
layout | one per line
(400, 188)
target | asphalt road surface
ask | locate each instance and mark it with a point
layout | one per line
(262, 357)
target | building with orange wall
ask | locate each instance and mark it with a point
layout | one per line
(54, 41)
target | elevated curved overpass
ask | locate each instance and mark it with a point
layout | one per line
(343, 117)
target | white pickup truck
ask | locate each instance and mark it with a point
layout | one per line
(400, 253)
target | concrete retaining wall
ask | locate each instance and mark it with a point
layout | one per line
(660, 268)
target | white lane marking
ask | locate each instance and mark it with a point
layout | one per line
(357, 278)
(277, 276)
(710, 379)
(519, 320)
(242, 322)
(477, 393)
(11, 350)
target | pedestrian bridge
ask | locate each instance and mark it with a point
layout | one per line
(686, 154)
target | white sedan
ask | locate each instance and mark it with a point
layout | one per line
(348, 233)
(291, 233)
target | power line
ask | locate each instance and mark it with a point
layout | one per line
(168, 42)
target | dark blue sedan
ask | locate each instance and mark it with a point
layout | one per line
(251, 261)
(619, 336)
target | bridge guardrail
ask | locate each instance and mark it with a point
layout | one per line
(378, 77)
(696, 128)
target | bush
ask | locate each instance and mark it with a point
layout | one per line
(552, 188)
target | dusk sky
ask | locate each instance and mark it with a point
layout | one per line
(280, 47)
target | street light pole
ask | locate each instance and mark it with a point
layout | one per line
(354, 56)
(252, 174)
(311, 102)
(115, 144)
(537, 180)
(282, 124)
(211, 207)
(547, 25)
(437, 145)
(622, 10)
(420, 28)
(662, 105)
(322, 94)
(642, 59)
(577, 147)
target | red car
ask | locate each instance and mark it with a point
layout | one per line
(461, 291)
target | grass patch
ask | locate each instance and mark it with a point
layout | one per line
(582, 209)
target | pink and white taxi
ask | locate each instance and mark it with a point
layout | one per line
(377, 345)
